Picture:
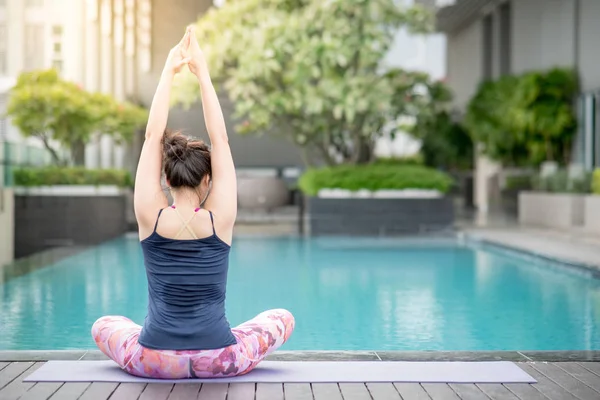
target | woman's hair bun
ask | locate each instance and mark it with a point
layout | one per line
(186, 161)
(175, 146)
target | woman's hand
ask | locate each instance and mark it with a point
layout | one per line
(179, 56)
(197, 62)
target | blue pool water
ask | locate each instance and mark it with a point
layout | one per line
(346, 294)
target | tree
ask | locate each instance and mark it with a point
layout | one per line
(544, 111)
(57, 111)
(444, 143)
(527, 119)
(120, 120)
(312, 71)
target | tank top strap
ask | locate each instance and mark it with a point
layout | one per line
(212, 221)
(186, 224)
(157, 217)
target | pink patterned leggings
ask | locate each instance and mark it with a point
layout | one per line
(117, 337)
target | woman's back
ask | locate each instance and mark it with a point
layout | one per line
(186, 267)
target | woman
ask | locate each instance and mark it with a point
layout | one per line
(186, 250)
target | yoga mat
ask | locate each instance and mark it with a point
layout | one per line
(306, 371)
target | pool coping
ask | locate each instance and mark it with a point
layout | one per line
(590, 269)
(301, 355)
(475, 238)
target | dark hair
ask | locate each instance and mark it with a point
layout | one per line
(186, 161)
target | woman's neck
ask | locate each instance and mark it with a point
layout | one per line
(186, 198)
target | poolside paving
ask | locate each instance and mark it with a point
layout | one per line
(562, 380)
(556, 381)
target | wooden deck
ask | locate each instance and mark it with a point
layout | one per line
(556, 381)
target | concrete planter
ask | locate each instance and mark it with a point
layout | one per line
(592, 214)
(71, 190)
(375, 216)
(7, 215)
(262, 193)
(551, 210)
(47, 217)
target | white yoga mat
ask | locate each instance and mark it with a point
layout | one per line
(306, 371)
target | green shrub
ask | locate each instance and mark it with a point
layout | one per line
(374, 177)
(519, 182)
(596, 181)
(53, 175)
(416, 159)
(526, 119)
(559, 182)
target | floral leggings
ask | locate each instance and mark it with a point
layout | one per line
(117, 337)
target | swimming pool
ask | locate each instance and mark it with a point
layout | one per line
(346, 294)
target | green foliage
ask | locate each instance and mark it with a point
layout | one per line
(374, 177)
(310, 70)
(526, 119)
(120, 120)
(43, 105)
(519, 182)
(444, 143)
(596, 181)
(561, 182)
(53, 175)
(416, 159)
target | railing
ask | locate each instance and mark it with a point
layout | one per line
(15, 155)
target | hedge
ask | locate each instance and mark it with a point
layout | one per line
(49, 176)
(560, 182)
(416, 159)
(596, 181)
(374, 177)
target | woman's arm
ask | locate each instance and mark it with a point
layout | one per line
(223, 195)
(148, 197)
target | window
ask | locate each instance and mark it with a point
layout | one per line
(144, 38)
(34, 47)
(3, 45)
(34, 3)
(586, 148)
(57, 65)
(129, 27)
(488, 47)
(57, 30)
(505, 45)
(57, 47)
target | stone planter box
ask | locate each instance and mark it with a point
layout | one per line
(509, 202)
(47, 217)
(592, 214)
(551, 210)
(382, 215)
(262, 193)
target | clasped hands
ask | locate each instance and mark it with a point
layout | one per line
(187, 51)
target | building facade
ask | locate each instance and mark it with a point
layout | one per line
(490, 38)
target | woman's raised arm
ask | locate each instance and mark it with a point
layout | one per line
(148, 196)
(223, 195)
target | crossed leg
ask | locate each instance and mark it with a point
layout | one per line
(117, 338)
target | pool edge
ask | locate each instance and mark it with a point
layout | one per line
(473, 238)
(515, 356)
